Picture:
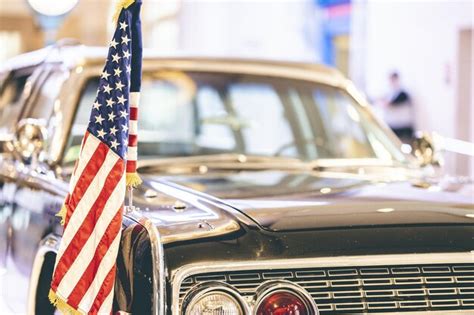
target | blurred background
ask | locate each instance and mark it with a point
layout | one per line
(425, 45)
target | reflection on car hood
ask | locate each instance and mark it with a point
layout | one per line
(283, 200)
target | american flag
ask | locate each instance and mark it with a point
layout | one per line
(84, 274)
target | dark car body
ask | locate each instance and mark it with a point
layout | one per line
(358, 236)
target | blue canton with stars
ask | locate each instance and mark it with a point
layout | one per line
(109, 117)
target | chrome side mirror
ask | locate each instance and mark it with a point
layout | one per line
(426, 150)
(29, 141)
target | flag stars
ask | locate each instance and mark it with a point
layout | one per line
(124, 128)
(96, 105)
(117, 72)
(107, 89)
(113, 130)
(121, 100)
(123, 26)
(113, 43)
(105, 75)
(125, 40)
(99, 119)
(111, 116)
(110, 102)
(101, 133)
(123, 114)
(116, 58)
(114, 144)
(119, 86)
(126, 54)
(128, 68)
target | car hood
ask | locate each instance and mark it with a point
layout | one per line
(286, 201)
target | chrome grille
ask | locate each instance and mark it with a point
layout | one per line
(364, 289)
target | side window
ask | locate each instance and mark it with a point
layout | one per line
(81, 120)
(47, 95)
(10, 99)
(43, 104)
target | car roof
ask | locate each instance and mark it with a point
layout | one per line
(73, 55)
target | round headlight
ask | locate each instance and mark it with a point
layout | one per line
(214, 299)
(215, 303)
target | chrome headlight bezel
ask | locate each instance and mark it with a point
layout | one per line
(206, 288)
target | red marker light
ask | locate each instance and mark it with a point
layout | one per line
(282, 303)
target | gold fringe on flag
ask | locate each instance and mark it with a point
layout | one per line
(62, 214)
(121, 4)
(62, 305)
(133, 180)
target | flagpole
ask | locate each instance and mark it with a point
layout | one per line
(130, 207)
(132, 177)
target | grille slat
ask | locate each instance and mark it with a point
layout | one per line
(365, 289)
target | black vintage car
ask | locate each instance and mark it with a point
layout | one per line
(269, 188)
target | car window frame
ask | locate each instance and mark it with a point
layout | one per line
(26, 94)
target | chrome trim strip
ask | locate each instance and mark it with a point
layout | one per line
(49, 244)
(158, 261)
(180, 274)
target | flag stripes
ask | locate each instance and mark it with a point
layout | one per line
(132, 133)
(87, 253)
(103, 246)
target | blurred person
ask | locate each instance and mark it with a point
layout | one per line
(398, 109)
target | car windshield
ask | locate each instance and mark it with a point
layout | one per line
(201, 113)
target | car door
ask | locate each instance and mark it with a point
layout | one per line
(15, 89)
(34, 193)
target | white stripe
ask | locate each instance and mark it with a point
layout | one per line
(132, 154)
(105, 265)
(134, 99)
(79, 266)
(106, 307)
(86, 153)
(86, 202)
(133, 127)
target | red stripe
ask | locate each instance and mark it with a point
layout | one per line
(131, 166)
(101, 249)
(132, 140)
(85, 230)
(104, 291)
(87, 176)
(86, 135)
(133, 113)
(82, 147)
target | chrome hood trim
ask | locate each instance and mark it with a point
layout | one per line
(202, 215)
